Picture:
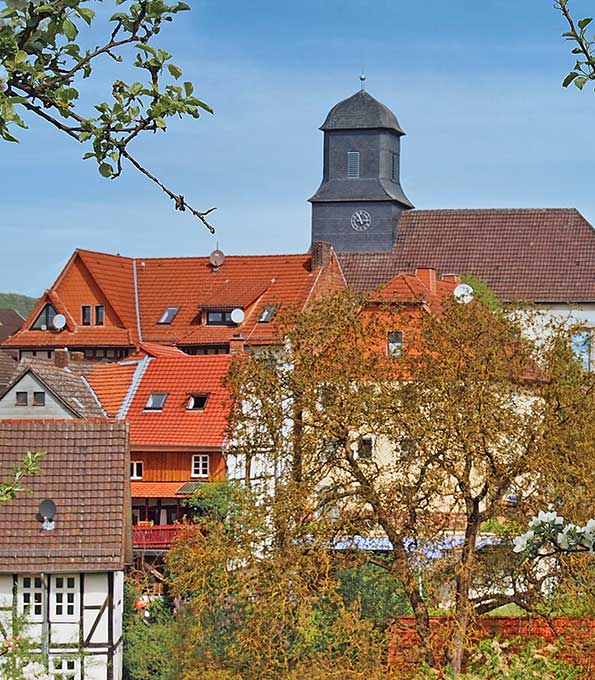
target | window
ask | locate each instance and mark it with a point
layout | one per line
(30, 597)
(395, 167)
(64, 668)
(207, 349)
(86, 315)
(136, 469)
(156, 401)
(64, 597)
(268, 313)
(38, 398)
(45, 318)
(200, 465)
(353, 164)
(99, 315)
(169, 315)
(219, 318)
(581, 346)
(197, 402)
(395, 343)
(365, 447)
(21, 399)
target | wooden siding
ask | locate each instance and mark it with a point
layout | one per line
(176, 466)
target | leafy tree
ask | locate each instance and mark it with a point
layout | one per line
(48, 57)
(584, 49)
(474, 421)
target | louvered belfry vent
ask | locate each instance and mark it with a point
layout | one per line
(353, 164)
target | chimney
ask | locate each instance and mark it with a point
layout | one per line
(450, 278)
(321, 254)
(428, 277)
(61, 357)
(236, 344)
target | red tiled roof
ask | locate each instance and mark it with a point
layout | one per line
(154, 350)
(156, 489)
(85, 472)
(543, 255)
(111, 382)
(249, 282)
(175, 425)
(414, 288)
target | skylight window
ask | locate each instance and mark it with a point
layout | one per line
(156, 401)
(197, 402)
(268, 313)
(169, 315)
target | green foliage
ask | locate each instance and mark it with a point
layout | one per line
(380, 595)
(14, 484)
(584, 47)
(482, 292)
(497, 661)
(20, 303)
(47, 55)
(18, 652)
(149, 641)
(216, 500)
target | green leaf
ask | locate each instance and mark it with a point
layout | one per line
(188, 88)
(86, 14)
(580, 82)
(20, 57)
(105, 169)
(160, 123)
(583, 23)
(69, 29)
(569, 78)
(175, 71)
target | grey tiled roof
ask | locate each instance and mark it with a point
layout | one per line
(540, 255)
(85, 472)
(8, 369)
(10, 322)
(359, 111)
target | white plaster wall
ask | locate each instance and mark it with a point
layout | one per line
(28, 383)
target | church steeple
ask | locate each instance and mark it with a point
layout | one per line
(359, 202)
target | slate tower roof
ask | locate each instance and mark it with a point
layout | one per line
(360, 111)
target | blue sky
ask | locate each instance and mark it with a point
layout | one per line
(475, 84)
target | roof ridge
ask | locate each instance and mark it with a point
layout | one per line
(469, 210)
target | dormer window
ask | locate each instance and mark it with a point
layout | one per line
(353, 164)
(38, 398)
(168, 315)
(219, 317)
(268, 313)
(21, 399)
(45, 318)
(99, 315)
(86, 315)
(197, 402)
(156, 401)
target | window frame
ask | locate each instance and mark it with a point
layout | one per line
(225, 317)
(161, 406)
(584, 357)
(370, 441)
(44, 319)
(134, 467)
(85, 315)
(393, 344)
(190, 403)
(21, 402)
(39, 590)
(100, 315)
(168, 316)
(65, 601)
(200, 458)
(64, 673)
(36, 401)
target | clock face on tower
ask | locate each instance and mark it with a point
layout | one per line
(361, 220)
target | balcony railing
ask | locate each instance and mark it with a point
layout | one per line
(154, 537)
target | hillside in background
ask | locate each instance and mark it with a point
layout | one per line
(21, 303)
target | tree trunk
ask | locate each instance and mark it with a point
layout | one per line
(463, 606)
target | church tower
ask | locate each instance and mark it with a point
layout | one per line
(359, 202)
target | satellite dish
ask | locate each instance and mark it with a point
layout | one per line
(59, 322)
(217, 258)
(463, 293)
(47, 511)
(237, 315)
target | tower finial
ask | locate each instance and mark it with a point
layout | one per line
(363, 81)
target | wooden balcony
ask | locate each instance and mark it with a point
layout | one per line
(154, 537)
